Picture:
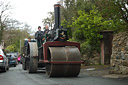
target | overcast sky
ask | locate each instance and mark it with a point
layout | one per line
(32, 11)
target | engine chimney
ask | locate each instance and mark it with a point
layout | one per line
(57, 15)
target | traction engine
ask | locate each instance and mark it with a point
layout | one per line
(60, 57)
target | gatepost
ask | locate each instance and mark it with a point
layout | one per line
(106, 46)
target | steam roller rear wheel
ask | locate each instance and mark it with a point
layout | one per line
(24, 64)
(63, 54)
(32, 63)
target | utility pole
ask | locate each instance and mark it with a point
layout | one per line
(20, 46)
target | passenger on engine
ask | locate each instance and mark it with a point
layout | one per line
(26, 41)
(39, 36)
(46, 33)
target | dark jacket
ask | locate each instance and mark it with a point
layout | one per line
(25, 43)
(39, 35)
(46, 31)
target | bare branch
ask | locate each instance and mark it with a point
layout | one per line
(5, 8)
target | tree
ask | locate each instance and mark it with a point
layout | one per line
(87, 27)
(11, 48)
(70, 11)
(85, 5)
(115, 10)
(15, 32)
(49, 20)
(4, 15)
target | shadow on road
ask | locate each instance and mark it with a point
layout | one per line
(2, 72)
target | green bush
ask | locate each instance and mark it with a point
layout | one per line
(87, 27)
(11, 48)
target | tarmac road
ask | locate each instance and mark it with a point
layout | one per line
(17, 76)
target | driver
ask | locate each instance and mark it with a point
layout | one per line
(39, 37)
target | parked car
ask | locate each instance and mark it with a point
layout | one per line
(3, 61)
(12, 59)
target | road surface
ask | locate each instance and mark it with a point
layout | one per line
(17, 76)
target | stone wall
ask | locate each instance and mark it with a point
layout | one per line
(119, 57)
(94, 59)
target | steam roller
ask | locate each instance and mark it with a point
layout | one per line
(60, 57)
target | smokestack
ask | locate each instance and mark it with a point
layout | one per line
(57, 15)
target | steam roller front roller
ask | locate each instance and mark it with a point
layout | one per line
(60, 58)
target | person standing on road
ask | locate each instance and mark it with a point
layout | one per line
(18, 59)
(39, 37)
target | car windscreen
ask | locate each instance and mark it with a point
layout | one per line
(11, 55)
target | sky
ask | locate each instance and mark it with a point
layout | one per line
(32, 11)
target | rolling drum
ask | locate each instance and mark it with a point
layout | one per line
(61, 55)
(32, 64)
(73, 54)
